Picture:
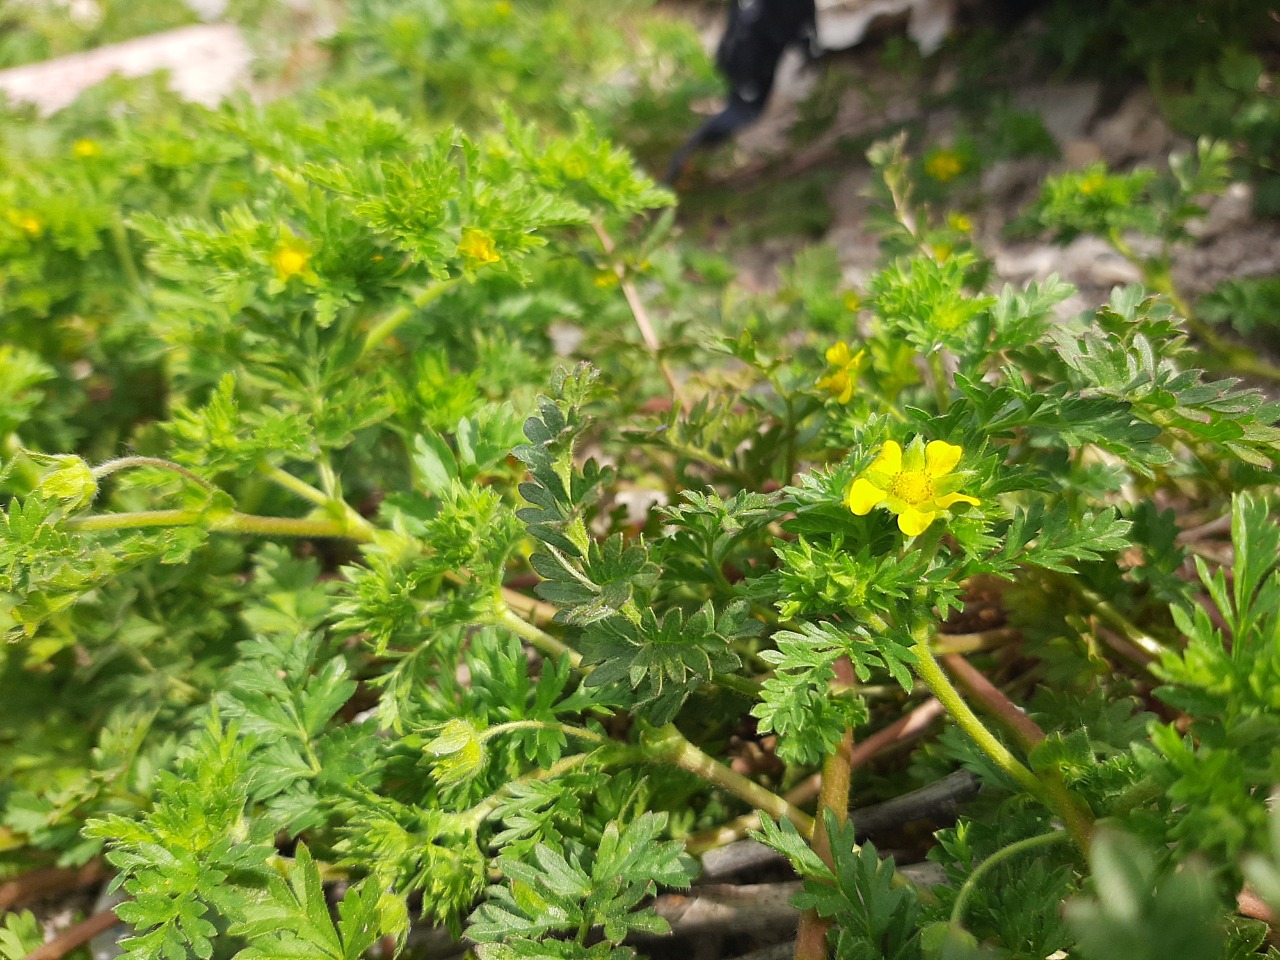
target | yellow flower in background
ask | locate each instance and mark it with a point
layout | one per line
(27, 222)
(84, 149)
(291, 258)
(944, 165)
(917, 485)
(959, 222)
(1092, 182)
(851, 301)
(840, 381)
(576, 167)
(477, 248)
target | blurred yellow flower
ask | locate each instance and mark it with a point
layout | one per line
(915, 486)
(959, 222)
(27, 222)
(291, 258)
(1093, 182)
(841, 380)
(477, 248)
(85, 149)
(944, 165)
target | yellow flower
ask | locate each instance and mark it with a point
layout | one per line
(575, 166)
(959, 222)
(915, 486)
(84, 149)
(851, 301)
(840, 382)
(291, 258)
(476, 247)
(944, 165)
(1094, 181)
(941, 251)
(27, 222)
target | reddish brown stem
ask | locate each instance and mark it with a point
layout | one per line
(80, 934)
(993, 700)
(48, 880)
(837, 773)
(905, 728)
(641, 315)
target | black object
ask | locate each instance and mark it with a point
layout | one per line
(757, 34)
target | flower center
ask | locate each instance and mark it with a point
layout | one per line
(913, 488)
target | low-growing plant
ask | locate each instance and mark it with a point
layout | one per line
(486, 521)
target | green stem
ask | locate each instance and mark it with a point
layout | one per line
(993, 861)
(243, 523)
(288, 481)
(941, 388)
(126, 463)
(536, 636)
(1054, 796)
(388, 325)
(568, 730)
(124, 253)
(672, 747)
(1131, 631)
(361, 529)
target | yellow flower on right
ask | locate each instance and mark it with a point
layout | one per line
(916, 485)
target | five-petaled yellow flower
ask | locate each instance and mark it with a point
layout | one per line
(840, 381)
(914, 485)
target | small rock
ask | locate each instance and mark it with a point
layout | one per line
(1093, 259)
(1231, 209)
(1013, 182)
(1021, 263)
(1079, 154)
(1065, 109)
(1135, 131)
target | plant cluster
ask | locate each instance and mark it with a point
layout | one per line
(485, 519)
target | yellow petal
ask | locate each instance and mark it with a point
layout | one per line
(863, 495)
(914, 522)
(889, 460)
(838, 354)
(947, 499)
(941, 457)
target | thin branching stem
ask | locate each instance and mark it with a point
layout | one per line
(128, 463)
(993, 861)
(641, 315)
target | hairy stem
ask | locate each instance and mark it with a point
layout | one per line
(580, 733)
(126, 463)
(1054, 796)
(389, 324)
(672, 747)
(231, 522)
(536, 636)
